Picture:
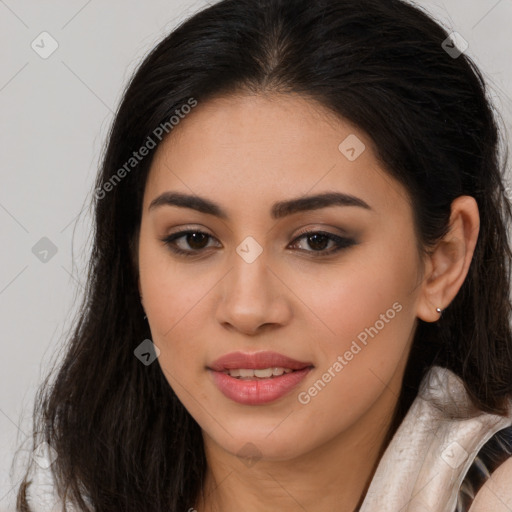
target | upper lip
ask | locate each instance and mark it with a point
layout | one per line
(256, 360)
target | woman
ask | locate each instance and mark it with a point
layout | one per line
(298, 296)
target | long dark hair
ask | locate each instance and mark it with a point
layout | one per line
(122, 437)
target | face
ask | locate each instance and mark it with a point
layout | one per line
(341, 301)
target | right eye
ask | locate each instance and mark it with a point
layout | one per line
(195, 239)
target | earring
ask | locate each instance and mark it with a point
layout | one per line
(439, 310)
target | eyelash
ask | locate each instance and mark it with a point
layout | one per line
(341, 242)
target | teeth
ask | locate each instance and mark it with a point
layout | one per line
(266, 372)
(263, 373)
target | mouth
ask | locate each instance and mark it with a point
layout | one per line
(258, 378)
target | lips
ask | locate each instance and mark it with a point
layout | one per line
(256, 390)
(256, 361)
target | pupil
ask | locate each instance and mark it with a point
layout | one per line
(315, 244)
(192, 238)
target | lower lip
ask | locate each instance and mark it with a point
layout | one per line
(260, 391)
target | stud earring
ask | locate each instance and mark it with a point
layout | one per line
(439, 310)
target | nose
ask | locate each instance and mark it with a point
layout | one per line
(253, 298)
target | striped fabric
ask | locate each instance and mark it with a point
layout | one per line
(442, 451)
(492, 454)
(496, 451)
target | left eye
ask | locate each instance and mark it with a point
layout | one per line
(193, 239)
(318, 240)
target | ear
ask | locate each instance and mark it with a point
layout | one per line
(447, 265)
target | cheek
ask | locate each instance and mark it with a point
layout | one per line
(369, 309)
(172, 291)
(364, 307)
(171, 298)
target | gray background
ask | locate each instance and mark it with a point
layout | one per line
(55, 115)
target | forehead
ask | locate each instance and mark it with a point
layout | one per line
(267, 148)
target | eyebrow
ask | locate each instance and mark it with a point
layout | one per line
(279, 210)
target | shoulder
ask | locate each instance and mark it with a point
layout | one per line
(496, 494)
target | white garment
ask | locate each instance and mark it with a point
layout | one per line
(427, 459)
(41, 493)
(423, 466)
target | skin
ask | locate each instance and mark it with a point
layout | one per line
(246, 152)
